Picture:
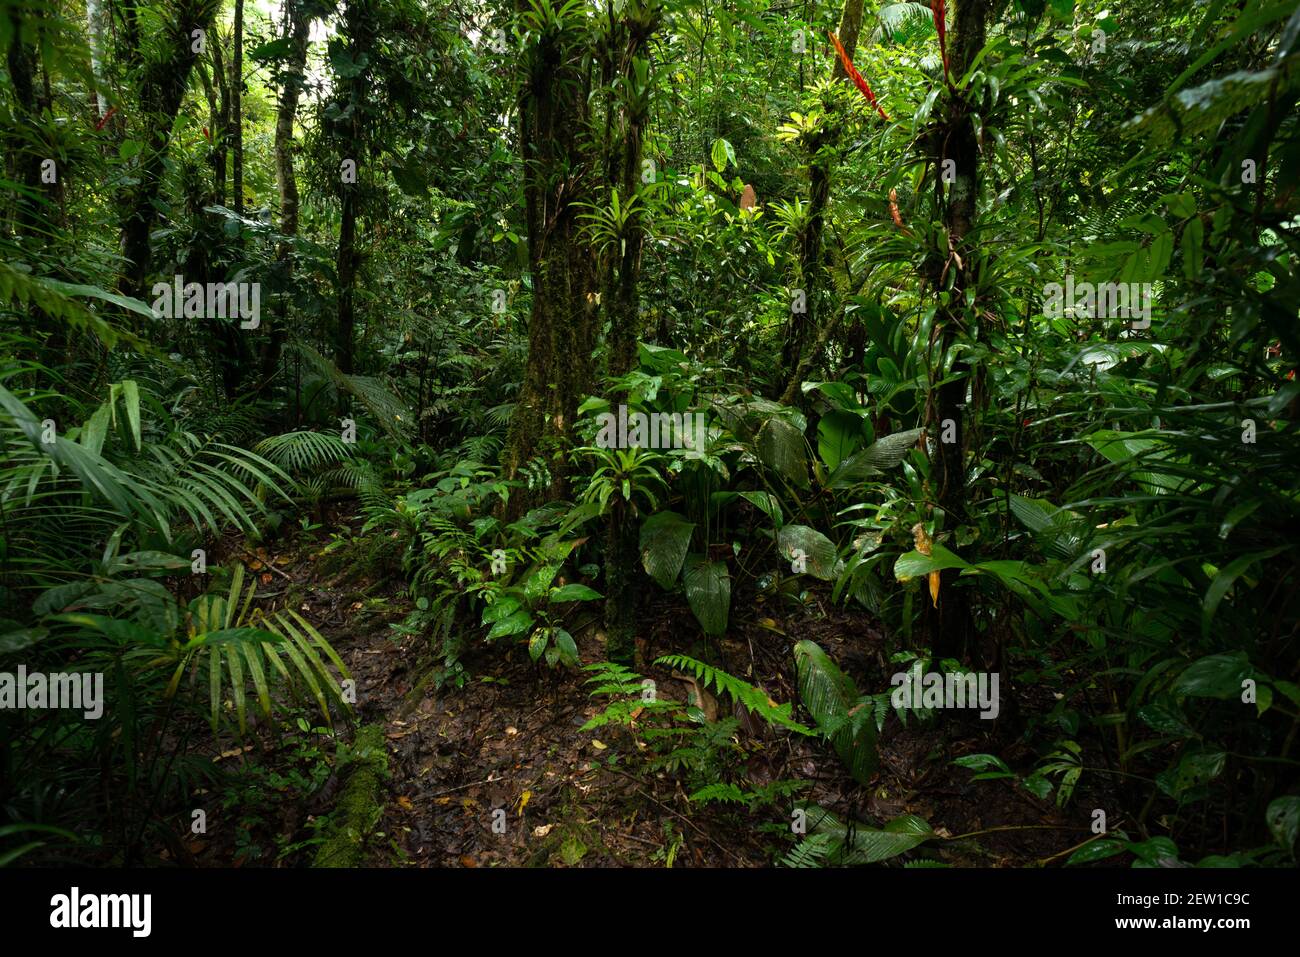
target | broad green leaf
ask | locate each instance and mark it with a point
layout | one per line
(816, 552)
(573, 593)
(1215, 676)
(513, 624)
(665, 539)
(1283, 819)
(768, 503)
(708, 591)
(914, 564)
(781, 447)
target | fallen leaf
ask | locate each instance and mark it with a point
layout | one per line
(572, 851)
(598, 745)
(542, 830)
(512, 730)
(405, 802)
(523, 802)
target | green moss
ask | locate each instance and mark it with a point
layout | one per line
(363, 768)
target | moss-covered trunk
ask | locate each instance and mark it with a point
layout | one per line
(950, 627)
(557, 172)
(801, 327)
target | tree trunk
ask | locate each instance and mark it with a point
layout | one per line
(801, 326)
(623, 301)
(24, 161)
(553, 134)
(346, 265)
(297, 29)
(221, 124)
(162, 89)
(358, 23)
(95, 37)
(237, 108)
(951, 628)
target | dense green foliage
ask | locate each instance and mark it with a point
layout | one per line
(488, 238)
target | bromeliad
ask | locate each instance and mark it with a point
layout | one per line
(855, 76)
(940, 24)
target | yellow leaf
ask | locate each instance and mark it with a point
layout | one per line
(523, 801)
(934, 588)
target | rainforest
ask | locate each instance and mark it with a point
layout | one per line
(649, 434)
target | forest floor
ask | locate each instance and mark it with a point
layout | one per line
(510, 739)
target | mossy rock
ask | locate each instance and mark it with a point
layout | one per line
(361, 800)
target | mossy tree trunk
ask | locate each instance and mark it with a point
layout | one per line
(359, 29)
(237, 108)
(801, 327)
(626, 66)
(297, 29)
(558, 171)
(949, 625)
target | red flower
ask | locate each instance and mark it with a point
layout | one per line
(940, 24)
(855, 76)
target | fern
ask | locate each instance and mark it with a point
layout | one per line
(54, 299)
(841, 713)
(232, 640)
(727, 793)
(615, 680)
(810, 852)
(536, 474)
(298, 452)
(386, 407)
(746, 694)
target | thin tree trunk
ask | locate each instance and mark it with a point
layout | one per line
(24, 162)
(346, 265)
(221, 125)
(237, 109)
(357, 21)
(950, 625)
(162, 89)
(95, 37)
(802, 326)
(624, 305)
(297, 28)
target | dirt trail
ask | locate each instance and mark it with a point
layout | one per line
(498, 772)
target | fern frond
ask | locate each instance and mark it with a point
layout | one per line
(303, 451)
(810, 852)
(743, 692)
